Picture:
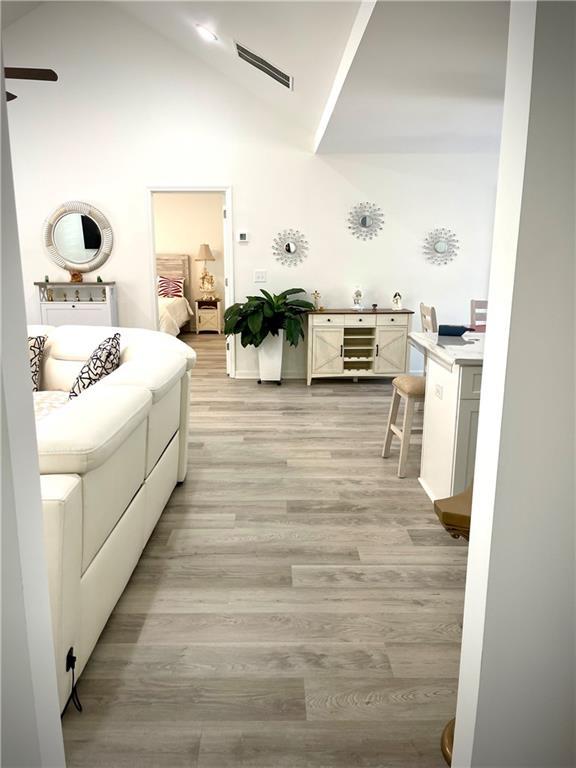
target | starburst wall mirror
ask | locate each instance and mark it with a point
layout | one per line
(365, 221)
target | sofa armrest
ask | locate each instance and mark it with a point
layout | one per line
(157, 373)
(86, 431)
(62, 514)
(144, 344)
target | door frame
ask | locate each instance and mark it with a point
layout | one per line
(229, 294)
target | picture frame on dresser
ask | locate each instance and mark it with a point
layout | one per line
(92, 303)
(346, 343)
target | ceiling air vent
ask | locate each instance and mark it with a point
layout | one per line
(265, 66)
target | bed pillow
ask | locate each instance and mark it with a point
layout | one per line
(104, 360)
(170, 287)
(35, 350)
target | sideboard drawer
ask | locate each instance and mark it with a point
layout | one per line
(399, 319)
(365, 320)
(328, 319)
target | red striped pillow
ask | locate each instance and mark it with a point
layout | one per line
(170, 287)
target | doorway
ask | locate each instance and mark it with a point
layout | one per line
(193, 268)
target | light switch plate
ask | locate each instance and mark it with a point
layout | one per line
(439, 389)
(260, 276)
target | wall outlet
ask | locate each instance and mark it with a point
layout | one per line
(260, 276)
(439, 390)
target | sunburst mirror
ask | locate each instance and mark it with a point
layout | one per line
(290, 247)
(441, 246)
(365, 221)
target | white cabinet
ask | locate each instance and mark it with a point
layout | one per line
(349, 344)
(451, 410)
(208, 315)
(77, 303)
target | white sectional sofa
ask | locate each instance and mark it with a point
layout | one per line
(109, 460)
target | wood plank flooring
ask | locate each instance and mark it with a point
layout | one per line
(297, 606)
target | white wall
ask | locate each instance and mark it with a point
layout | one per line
(185, 220)
(516, 701)
(30, 722)
(136, 112)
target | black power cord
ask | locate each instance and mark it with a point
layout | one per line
(71, 665)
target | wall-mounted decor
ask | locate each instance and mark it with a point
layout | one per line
(441, 246)
(78, 237)
(290, 247)
(365, 221)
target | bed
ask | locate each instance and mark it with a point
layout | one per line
(175, 313)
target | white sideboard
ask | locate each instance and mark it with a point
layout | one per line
(451, 409)
(77, 303)
(350, 344)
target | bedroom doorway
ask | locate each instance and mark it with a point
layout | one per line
(193, 268)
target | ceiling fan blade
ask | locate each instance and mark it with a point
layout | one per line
(29, 73)
(10, 96)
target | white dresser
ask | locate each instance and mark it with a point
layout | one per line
(348, 344)
(77, 303)
(451, 409)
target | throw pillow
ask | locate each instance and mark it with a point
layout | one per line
(35, 350)
(104, 360)
(170, 287)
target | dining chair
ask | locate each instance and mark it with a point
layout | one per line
(428, 319)
(478, 313)
(411, 389)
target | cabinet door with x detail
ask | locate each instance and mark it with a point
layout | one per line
(390, 350)
(327, 351)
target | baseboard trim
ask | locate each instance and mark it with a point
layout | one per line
(253, 374)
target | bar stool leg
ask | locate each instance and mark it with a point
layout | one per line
(391, 420)
(406, 431)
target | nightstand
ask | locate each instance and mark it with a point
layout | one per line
(208, 315)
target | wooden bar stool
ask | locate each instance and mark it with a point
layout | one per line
(411, 389)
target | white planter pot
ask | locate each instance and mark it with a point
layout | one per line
(270, 358)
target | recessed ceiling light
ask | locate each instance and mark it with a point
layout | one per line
(206, 34)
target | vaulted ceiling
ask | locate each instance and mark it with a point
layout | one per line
(368, 77)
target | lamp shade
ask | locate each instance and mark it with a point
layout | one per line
(204, 253)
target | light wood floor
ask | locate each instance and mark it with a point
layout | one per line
(298, 606)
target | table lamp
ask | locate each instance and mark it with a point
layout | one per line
(207, 280)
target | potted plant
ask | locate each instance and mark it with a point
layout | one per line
(262, 322)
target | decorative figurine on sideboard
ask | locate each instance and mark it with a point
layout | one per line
(397, 301)
(316, 299)
(357, 299)
(374, 307)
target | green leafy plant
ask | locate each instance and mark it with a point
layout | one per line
(260, 316)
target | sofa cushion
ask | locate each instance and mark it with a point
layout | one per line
(102, 362)
(35, 351)
(84, 433)
(48, 401)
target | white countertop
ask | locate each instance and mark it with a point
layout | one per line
(451, 350)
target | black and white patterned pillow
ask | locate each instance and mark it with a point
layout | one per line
(36, 349)
(104, 360)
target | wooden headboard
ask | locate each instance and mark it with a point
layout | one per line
(176, 265)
